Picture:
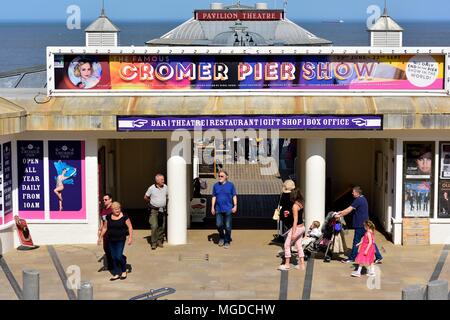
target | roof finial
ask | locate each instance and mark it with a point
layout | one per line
(385, 13)
(103, 7)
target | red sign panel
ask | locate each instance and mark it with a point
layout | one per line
(244, 15)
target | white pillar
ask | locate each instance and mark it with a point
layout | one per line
(177, 206)
(397, 232)
(315, 179)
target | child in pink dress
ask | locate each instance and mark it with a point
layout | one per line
(366, 253)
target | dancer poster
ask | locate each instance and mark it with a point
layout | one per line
(67, 180)
(7, 183)
(30, 177)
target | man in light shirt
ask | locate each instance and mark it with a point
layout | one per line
(156, 196)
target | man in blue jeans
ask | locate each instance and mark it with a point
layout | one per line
(361, 208)
(223, 206)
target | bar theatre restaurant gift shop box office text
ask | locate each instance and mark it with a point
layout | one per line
(375, 117)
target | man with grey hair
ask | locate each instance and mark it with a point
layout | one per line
(224, 205)
(156, 196)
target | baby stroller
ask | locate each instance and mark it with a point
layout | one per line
(331, 234)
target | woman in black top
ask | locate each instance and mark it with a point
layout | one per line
(295, 234)
(116, 228)
(286, 210)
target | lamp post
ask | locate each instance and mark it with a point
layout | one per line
(242, 38)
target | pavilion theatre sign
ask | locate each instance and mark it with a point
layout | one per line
(268, 122)
(153, 73)
(243, 15)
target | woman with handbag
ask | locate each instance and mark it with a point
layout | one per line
(283, 212)
(286, 205)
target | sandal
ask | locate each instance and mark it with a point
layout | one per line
(300, 266)
(114, 278)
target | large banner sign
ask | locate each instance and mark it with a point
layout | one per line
(7, 182)
(67, 180)
(30, 171)
(287, 122)
(248, 72)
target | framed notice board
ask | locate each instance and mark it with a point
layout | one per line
(207, 161)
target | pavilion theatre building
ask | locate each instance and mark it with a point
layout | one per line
(108, 118)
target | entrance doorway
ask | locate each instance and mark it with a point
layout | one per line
(258, 188)
(367, 163)
(127, 168)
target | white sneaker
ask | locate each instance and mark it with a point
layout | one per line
(283, 267)
(356, 274)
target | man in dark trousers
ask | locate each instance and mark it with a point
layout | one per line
(361, 208)
(105, 211)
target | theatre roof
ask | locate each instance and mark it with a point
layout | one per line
(218, 33)
(202, 33)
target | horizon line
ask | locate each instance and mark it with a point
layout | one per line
(87, 21)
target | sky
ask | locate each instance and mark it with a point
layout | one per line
(139, 10)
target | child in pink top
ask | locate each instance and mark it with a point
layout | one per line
(366, 253)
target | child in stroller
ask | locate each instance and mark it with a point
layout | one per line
(330, 241)
(312, 235)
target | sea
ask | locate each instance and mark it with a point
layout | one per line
(24, 45)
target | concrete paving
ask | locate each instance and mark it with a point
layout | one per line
(201, 270)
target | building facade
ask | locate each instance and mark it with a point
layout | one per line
(378, 117)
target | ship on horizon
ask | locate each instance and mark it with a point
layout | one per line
(333, 21)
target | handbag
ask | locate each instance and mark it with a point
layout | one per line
(276, 212)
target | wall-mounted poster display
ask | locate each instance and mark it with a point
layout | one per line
(30, 177)
(67, 180)
(444, 181)
(7, 183)
(445, 161)
(1, 187)
(444, 199)
(419, 160)
(417, 199)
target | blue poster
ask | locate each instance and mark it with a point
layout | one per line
(7, 182)
(66, 178)
(30, 177)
